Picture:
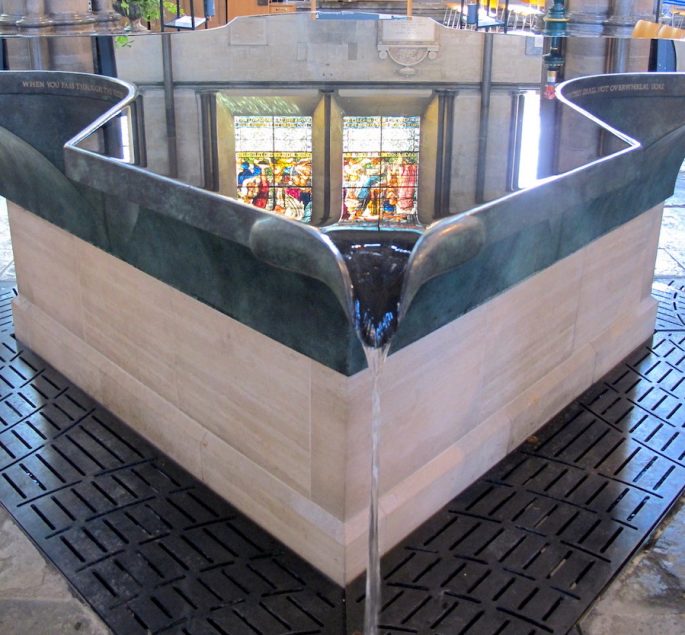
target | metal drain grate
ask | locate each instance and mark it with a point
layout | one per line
(7, 294)
(146, 545)
(671, 311)
(526, 549)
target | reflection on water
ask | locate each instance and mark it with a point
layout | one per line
(376, 261)
(401, 171)
(358, 151)
(317, 164)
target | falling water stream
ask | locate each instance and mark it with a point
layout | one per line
(376, 262)
(375, 358)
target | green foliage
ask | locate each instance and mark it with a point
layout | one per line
(122, 41)
(148, 10)
(140, 11)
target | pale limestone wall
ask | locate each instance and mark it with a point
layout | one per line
(295, 47)
(229, 404)
(188, 133)
(336, 175)
(498, 151)
(528, 68)
(287, 440)
(579, 137)
(140, 61)
(638, 56)
(19, 52)
(466, 132)
(318, 164)
(585, 56)
(226, 141)
(427, 162)
(155, 131)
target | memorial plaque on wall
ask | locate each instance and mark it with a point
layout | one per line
(415, 31)
(408, 42)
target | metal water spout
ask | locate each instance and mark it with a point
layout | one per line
(293, 246)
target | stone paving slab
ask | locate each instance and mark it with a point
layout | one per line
(648, 596)
(34, 597)
(7, 273)
(671, 254)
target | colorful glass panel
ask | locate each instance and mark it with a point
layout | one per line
(274, 164)
(380, 169)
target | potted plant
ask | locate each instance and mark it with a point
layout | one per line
(140, 11)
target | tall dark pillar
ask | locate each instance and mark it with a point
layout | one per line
(169, 104)
(445, 141)
(4, 66)
(485, 90)
(103, 55)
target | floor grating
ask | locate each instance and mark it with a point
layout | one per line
(7, 294)
(671, 311)
(526, 549)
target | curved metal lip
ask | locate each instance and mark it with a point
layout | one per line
(431, 236)
(110, 113)
(438, 229)
(562, 88)
(72, 145)
(127, 86)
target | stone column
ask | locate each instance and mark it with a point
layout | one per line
(625, 13)
(628, 55)
(35, 15)
(54, 17)
(610, 17)
(10, 12)
(585, 56)
(23, 54)
(72, 13)
(70, 53)
(105, 15)
(587, 16)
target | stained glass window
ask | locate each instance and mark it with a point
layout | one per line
(274, 164)
(380, 169)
